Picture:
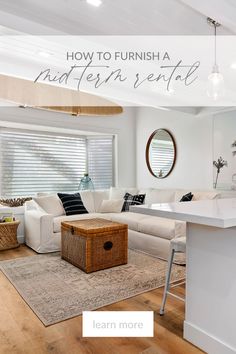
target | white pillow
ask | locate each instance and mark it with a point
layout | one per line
(145, 190)
(51, 204)
(119, 193)
(111, 206)
(204, 195)
(43, 194)
(98, 197)
(88, 200)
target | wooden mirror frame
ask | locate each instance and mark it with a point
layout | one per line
(147, 153)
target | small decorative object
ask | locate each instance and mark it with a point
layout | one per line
(219, 164)
(233, 145)
(234, 181)
(14, 202)
(6, 217)
(86, 183)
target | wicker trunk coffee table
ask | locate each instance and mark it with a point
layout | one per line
(94, 244)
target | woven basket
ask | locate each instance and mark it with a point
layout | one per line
(8, 235)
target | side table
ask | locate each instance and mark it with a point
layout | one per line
(8, 235)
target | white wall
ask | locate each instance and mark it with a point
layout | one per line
(224, 136)
(193, 135)
(122, 125)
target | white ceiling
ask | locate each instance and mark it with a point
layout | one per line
(113, 17)
(223, 11)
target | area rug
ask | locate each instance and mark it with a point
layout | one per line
(56, 290)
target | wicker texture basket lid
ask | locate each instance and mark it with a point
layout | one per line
(93, 226)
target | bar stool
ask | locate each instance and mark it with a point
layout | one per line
(177, 244)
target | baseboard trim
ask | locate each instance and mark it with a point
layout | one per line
(21, 238)
(206, 341)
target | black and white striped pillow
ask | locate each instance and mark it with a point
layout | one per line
(132, 200)
(72, 203)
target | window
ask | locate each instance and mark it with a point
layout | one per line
(100, 161)
(33, 162)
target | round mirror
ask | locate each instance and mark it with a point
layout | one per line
(161, 153)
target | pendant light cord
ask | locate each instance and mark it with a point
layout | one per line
(215, 43)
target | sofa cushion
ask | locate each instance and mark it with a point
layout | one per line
(160, 196)
(58, 220)
(119, 193)
(51, 204)
(131, 219)
(160, 227)
(72, 203)
(111, 206)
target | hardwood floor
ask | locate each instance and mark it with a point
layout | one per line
(22, 332)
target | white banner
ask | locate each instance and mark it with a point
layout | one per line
(128, 70)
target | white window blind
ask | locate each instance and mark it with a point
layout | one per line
(33, 162)
(100, 161)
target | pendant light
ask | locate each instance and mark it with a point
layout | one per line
(215, 86)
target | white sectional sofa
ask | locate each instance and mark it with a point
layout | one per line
(146, 233)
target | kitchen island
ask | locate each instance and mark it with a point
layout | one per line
(210, 318)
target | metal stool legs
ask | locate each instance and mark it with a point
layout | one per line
(176, 245)
(166, 289)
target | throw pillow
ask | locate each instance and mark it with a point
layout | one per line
(72, 203)
(187, 197)
(88, 200)
(111, 206)
(51, 204)
(118, 193)
(132, 200)
(98, 197)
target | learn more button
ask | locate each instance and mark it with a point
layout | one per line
(118, 324)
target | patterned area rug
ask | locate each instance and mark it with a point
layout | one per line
(56, 290)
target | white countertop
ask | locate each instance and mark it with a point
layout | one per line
(216, 212)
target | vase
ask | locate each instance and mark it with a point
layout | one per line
(86, 183)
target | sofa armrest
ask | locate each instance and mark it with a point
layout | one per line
(180, 228)
(38, 226)
(32, 205)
